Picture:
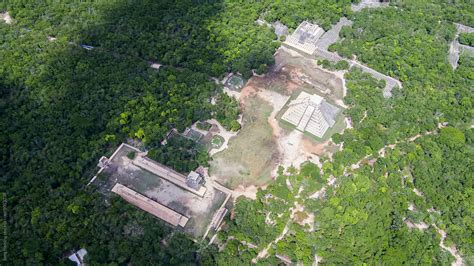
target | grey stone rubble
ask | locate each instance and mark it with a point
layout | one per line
(332, 35)
(280, 29)
(455, 48)
(369, 4)
(318, 47)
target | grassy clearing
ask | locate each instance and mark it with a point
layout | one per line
(252, 153)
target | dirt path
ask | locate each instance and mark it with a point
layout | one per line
(232, 93)
(459, 261)
(249, 192)
(227, 135)
(295, 208)
(318, 194)
(420, 226)
(264, 252)
(381, 152)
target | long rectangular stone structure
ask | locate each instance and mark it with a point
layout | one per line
(167, 173)
(164, 213)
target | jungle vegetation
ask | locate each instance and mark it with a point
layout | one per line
(63, 106)
(419, 140)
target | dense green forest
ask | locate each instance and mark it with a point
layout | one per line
(421, 138)
(62, 107)
(466, 38)
(181, 154)
(361, 219)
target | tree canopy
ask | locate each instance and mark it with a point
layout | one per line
(63, 106)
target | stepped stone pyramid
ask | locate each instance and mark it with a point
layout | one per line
(311, 113)
(304, 38)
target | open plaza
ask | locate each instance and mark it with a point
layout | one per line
(186, 202)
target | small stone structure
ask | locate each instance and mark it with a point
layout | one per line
(6, 17)
(280, 29)
(103, 162)
(87, 47)
(233, 81)
(194, 180)
(311, 113)
(78, 257)
(155, 65)
(305, 37)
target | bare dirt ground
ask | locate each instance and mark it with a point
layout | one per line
(305, 71)
(420, 226)
(262, 144)
(249, 192)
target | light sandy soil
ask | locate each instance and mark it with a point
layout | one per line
(432, 210)
(232, 93)
(269, 220)
(459, 261)
(7, 18)
(420, 226)
(308, 220)
(318, 194)
(317, 260)
(418, 193)
(294, 151)
(249, 192)
(368, 4)
(348, 123)
(331, 180)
